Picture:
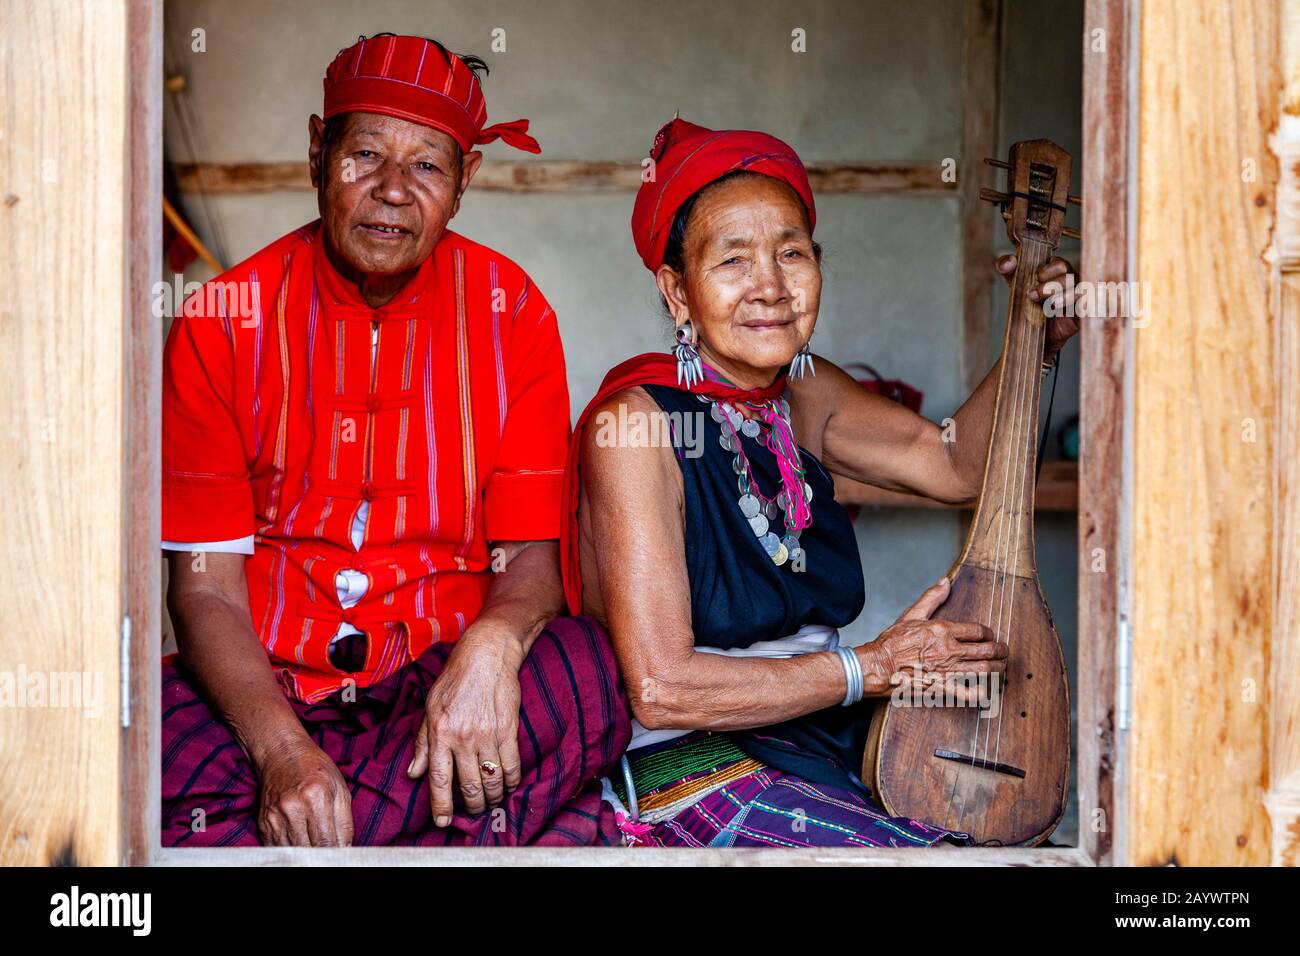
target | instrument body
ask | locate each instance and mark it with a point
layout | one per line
(999, 771)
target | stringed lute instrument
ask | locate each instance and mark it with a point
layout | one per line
(998, 771)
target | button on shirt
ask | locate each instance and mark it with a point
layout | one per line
(350, 585)
(367, 456)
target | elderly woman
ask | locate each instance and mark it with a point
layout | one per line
(723, 571)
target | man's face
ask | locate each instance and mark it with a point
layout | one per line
(387, 189)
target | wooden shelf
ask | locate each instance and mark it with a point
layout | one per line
(1058, 490)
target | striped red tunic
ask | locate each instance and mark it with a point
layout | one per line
(288, 403)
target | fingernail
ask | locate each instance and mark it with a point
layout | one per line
(410, 766)
(442, 821)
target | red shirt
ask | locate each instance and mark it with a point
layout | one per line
(275, 425)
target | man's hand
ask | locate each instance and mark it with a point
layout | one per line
(304, 800)
(471, 717)
(302, 797)
(1051, 291)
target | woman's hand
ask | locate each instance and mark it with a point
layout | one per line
(471, 716)
(1056, 295)
(303, 798)
(918, 651)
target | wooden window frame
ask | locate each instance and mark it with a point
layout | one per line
(1109, 79)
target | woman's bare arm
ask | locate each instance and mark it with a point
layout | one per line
(632, 499)
(871, 439)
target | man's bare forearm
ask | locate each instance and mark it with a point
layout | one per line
(524, 596)
(219, 648)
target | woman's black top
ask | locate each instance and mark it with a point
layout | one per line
(739, 596)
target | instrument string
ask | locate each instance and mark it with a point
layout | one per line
(1027, 452)
(1026, 268)
(1007, 523)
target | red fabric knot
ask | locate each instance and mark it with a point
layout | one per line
(373, 403)
(514, 133)
(369, 491)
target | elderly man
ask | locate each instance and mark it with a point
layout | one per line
(361, 481)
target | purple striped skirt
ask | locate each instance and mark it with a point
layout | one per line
(573, 726)
(760, 806)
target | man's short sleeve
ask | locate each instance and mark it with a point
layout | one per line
(207, 494)
(522, 500)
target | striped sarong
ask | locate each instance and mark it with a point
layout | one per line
(573, 726)
(735, 801)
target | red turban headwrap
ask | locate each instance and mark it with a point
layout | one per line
(687, 158)
(412, 79)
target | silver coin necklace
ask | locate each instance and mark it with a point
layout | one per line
(759, 510)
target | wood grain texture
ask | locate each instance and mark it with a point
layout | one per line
(1109, 99)
(1202, 496)
(565, 176)
(1284, 709)
(63, 106)
(1027, 729)
(142, 392)
(614, 856)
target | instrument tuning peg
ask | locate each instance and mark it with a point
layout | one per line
(1075, 200)
(992, 195)
(1071, 233)
(1000, 164)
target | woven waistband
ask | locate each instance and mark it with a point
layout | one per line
(685, 767)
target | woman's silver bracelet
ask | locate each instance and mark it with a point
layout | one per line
(852, 675)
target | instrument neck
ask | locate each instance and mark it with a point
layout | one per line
(1002, 535)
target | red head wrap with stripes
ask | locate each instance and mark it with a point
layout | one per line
(413, 79)
(689, 157)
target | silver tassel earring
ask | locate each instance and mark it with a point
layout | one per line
(688, 358)
(802, 363)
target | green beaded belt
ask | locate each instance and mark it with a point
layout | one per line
(655, 768)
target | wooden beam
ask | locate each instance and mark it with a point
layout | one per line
(1204, 408)
(142, 392)
(623, 857)
(1109, 69)
(1284, 702)
(1283, 798)
(564, 176)
(63, 69)
(980, 93)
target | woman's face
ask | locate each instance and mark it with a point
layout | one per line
(752, 284)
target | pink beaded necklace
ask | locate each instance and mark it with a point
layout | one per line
(795, 497)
